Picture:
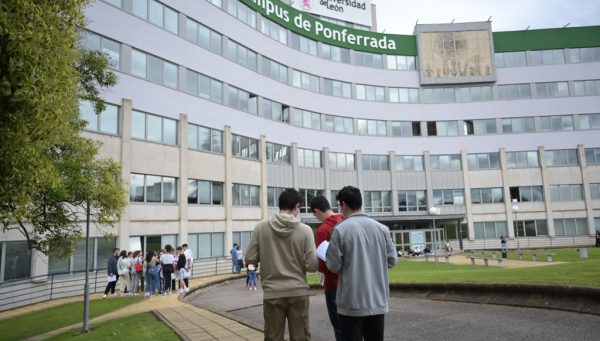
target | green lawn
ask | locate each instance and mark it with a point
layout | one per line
(136, 327)
(40, 322)
(574, 272)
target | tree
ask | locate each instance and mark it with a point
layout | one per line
(48, 171)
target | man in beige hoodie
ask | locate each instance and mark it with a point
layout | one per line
(285, 249)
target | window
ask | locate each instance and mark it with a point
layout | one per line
(246, 195)
(203, 36)
(562, 157)
(404, 95)
(487, 195)
(409, 163)
(309, 158)
(153, 128)
(510, 59)
(474, 94)
(552, 89)
(589, 121)
(157, 14)
(117, 3)
(438, 95)
(337, 54)
(448, 197)
(527, 193)
(276, 111)
(556, 123)
(277, 153)
(371, 127)
(306, 119)
(242, 239)
(105, 122)
(341, 161)
(513, 91)
(490, 230)
(305, 81)
(242, 12)
(375, 162)
(244, 147)
(273, 30)
(17, 261)
(584, 55)
(273, 194)
(370, 93)
(565, 193)
(479, 127)
(94, 42)
(338, 124)
(303, 44)
(412, 201)
(530, 228)
(335, 203)
(217, 3)
(60, 264)
(571, 227)
(546, 57)
(308, 195)
(518, 125)
(203, 138)
(337, 88)
(442, 128)
(522, 159)
(406, 128)
(368, 59)
(205, 192)
(152, 188)
(595, 191)
(586, 88)
(207, 245)
(401, 62)
(241, 55)
(243, 100)
(445, 162)
(274, 70)
(483, 161)
(377, 201)
(203, 86)
(592, 156)
(153, 69)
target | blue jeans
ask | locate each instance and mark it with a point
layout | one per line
(251, 279)
(333, 315)
(234, 265)
(152, 280)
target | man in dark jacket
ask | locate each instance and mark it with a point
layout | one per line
(111, 269)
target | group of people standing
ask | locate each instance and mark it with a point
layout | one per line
(359, 250)
(159, 271)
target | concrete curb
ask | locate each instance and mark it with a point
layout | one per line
(168, 323)
(567, 298)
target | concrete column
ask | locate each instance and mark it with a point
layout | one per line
(262, 147)
(123, 225)
(587, 196)
(546, 189)
(467, 184)
(228, 186)
(394, 182)
(183, 179)
(506, 192)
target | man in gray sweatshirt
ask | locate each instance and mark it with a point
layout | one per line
(285, 250)
(360, 251)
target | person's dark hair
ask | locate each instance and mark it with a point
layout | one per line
(320, 203)
(149, 256)
(235, 244)
(351, 197)
(168, 248)
(116, 249)
(184, 245)
(288, 199)
(123, 254)
(179, 248)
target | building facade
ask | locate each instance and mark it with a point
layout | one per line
(220, 105)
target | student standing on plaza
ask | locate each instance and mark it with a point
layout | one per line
(166, 260)
(111, 269)
(360, 251)
(321, 209)
(285, 249)
(189, 257)
(597, 238)
(234, 260)
(123, 271)
(181, 267)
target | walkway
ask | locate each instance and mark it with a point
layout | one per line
(188, 321)
(462, 259)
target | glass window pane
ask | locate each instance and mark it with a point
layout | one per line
(136, 188)
(140, 8)
(171, 20)
(109, 120)
(204, 192)
(155, 69)
(169, 131)
(217, 193)
(192, 190)
(156, 13)
(170, 75)
(138, 125)
(138, 63)
(153, 188)
(153, 128)
(17, 264)
(169, 190)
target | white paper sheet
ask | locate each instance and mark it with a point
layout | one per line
(322, 250)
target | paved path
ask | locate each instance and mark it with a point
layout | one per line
(420, 319)
(462, 259)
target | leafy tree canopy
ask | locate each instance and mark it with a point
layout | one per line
(48, 171)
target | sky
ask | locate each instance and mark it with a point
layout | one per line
(399, 16)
